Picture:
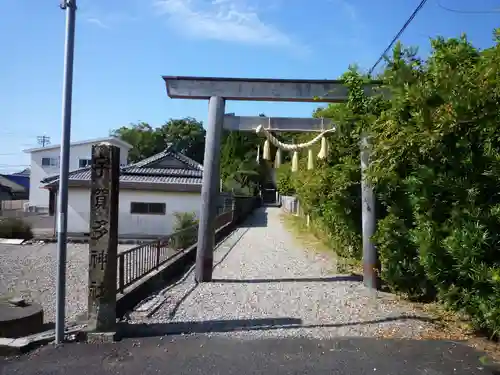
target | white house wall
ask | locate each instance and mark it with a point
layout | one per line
(39, 197)
(129, 224)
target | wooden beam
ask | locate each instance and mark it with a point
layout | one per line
(283, 124)
(258, 89)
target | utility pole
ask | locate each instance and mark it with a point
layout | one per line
(43, 140)
(62, 205)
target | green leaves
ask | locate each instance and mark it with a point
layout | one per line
(284, 180)
(436, 168)
(184, 220)
(186, 136)
(239, 169)
(146, 141)
(434, 145)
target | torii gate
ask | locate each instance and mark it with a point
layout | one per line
(217, 91)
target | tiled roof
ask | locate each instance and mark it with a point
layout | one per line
(19, 179)
(165, 172)
(24, 172)
(167, 152)
(147, 171)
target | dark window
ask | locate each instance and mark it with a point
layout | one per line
(143, 208)
(82, 163)
(49, 162)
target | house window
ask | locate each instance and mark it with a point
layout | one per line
(50, 162)
(82, 163)
(143, 208)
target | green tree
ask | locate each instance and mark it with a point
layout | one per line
(145, 140)
(186, 135)
(239, 168)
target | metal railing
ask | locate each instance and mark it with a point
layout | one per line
(135, 263)
(290, 204)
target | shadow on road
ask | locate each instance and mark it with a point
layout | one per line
(211, 326)
(258, 219)
(292, 280)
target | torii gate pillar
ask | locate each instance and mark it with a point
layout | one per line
(209, 190)
(216, 91)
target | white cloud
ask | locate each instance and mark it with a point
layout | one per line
(224, 20)
(105, 15)
(348, 8)
(97, 22)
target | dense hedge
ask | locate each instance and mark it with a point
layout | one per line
(15, 228)
(436, 166)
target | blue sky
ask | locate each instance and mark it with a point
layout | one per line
(123, 47)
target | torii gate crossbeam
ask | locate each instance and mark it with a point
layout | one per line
(282, 124)
(217, 90)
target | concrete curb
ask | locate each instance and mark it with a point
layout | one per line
(18, 346)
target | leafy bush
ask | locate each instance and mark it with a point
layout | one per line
(15, 228)
(399, 257)
(184, 220)
(436, 169)
(284, 184)
(184, 230)
(438, 159)
(329, 196)
(236, 188)
(330, 193)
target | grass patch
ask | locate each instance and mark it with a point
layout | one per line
(449, 326)
(314, 238)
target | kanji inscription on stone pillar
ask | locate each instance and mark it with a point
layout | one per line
(103, 244)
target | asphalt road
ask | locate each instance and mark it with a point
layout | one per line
(205, 355)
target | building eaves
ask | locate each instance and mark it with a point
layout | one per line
(85, 175)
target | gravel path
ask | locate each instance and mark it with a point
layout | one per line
(267, 285)
(30, 271)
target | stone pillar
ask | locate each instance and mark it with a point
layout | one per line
(209, 191)
(103, 244)
(369, 224)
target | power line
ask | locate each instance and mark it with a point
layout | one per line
(401, 31)
(463, 11)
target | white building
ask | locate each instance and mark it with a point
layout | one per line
(150, 192)
(45, 163)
